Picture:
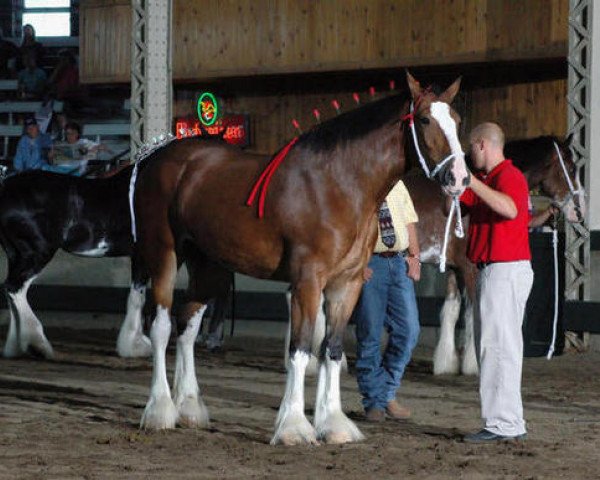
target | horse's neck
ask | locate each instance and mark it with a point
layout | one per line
(372, 165)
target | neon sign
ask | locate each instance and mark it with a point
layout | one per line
(208, 109)
(233, 129)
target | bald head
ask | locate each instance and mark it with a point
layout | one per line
(487, 146)
(488, 131)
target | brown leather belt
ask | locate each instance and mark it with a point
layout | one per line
(388, 254)
(482, 265)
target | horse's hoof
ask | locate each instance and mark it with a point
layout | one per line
(140, 346)
(159, 414)
(444, 364)
(192, 413)
(295, 430)
(40, 347)
(338, 428)
(11, 350)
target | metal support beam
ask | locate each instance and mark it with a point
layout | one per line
(151, 84)
(579, 100)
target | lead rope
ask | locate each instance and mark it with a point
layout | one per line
(555, 322)
(455, 207)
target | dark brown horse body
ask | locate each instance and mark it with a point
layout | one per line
(317, 233)
(538, 159)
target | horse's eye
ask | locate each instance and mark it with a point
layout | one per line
(424, 120)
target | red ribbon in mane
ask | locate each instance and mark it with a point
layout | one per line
(410, 116)
(265, 178)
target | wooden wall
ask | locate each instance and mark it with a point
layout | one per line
(523, 110)
(222, 38)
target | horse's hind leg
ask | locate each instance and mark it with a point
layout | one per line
(206, 281)
(26, 333)
(331, 423)
(131, 341)
(291, 426)
(160, 412)
(445, 356)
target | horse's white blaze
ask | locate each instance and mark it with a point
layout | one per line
(469, 361)
(131, 341)
(99, 249)
(432, 253)
(291, 426)
(331, 423)
(25, 330)
(160, 412)
(445, 357)
(191, 409)
(440, 111)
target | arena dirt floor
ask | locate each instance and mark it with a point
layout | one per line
(77, 417)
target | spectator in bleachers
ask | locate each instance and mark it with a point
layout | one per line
(32, 79)
(8, 55)
(33, 148)
(30, 45)
(76, 152)
(64, 80)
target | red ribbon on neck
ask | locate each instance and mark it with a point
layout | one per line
(265, 178)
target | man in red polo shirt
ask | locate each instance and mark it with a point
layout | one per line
(498, 244)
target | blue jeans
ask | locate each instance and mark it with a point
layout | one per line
(387, 300)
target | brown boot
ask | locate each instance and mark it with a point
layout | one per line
(397, 411)
(375, 415)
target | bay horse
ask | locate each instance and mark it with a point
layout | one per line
(538, 158)
(42, 212)
(316, 233)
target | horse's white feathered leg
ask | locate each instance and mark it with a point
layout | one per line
(291, 426)
(445, 356)
(30, 334)
(191, 408)
(160, 412)
(469, 360)
(331, 423)
(131, 341)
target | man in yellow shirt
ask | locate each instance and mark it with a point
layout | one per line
(388, 301)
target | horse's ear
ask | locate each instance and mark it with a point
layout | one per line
(451, 91)
(413, 85)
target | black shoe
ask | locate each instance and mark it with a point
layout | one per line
(485, 436)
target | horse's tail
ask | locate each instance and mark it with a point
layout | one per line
(318, 336)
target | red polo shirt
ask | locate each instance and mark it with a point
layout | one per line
(493, 238)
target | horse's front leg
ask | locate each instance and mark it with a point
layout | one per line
(192, 411)
(292, 426)
(469, 361)
(331, 423)
(445, 356)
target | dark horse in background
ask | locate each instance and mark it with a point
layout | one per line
(42, 212)
(317, 233)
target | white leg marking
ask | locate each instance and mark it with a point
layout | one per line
(291, 426)
(160, 412)
(445, 357)
(191, 409)
(469, 360)
(131, 341)
(331, 423)
(30, 332)
(11, 347)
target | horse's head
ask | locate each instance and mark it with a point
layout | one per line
(434, 128)
(562, 183)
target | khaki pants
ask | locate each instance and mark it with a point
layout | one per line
(502, 292)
